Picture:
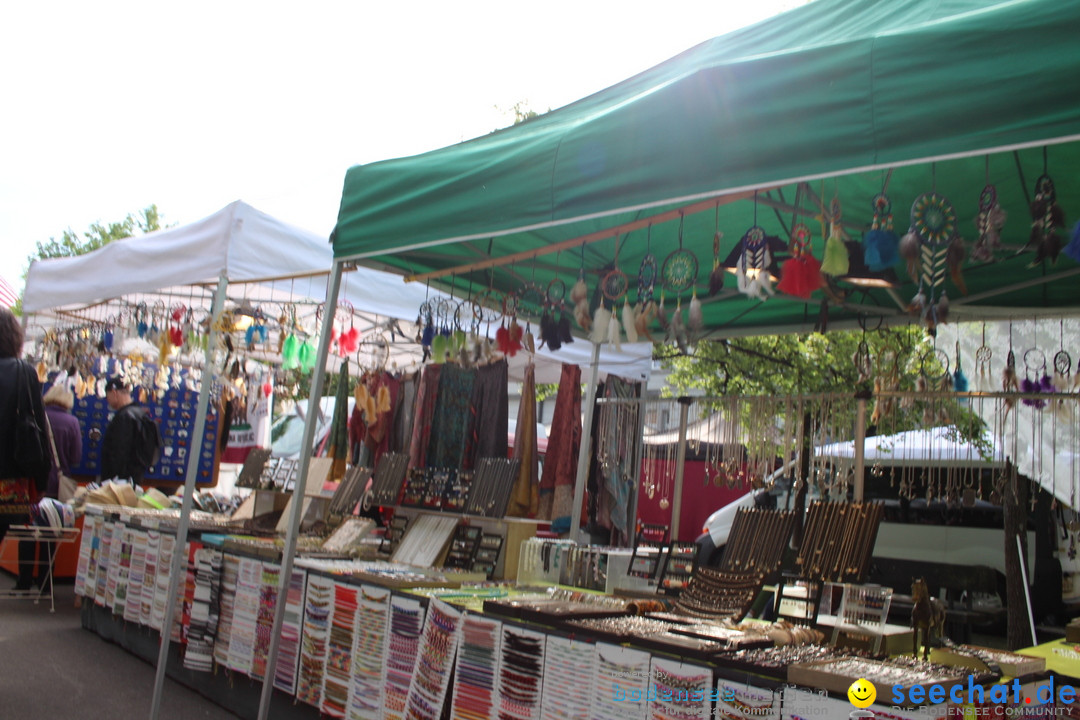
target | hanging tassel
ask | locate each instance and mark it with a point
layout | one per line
(600, 324)
(382, 403)
(438, 348)
(349, 342)
(836, 260)
(661, 314)
(629, 318)
(1073, 248)
(880, 249)
(290, 350)
(549, 332)
(306, 356)
(800, 276)
(502, 339)
(917, 306)
(959, 381)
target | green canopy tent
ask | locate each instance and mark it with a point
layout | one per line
(848, 98)
(764, 126)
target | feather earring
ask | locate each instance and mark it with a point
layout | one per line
(614, 334)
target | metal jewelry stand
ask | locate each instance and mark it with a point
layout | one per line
(51, 538)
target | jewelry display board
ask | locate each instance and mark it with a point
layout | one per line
(620, 683)
(425, 540)
(490, 491)
(463, 546)
(349, 491)
(369, 653)
(678, 567)
(288, 661)
(393, 534)
(435, 659)
(568, 678)
(403, 643)
(339, 646)
(838, 540)
(317, 608)
(757, 540)
(174, 412)
(712, 593)
(487, 554)
(681, 691)
(388, 479)
(477, 667)
(521, 663)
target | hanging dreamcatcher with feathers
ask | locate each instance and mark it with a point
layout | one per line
(926, 247)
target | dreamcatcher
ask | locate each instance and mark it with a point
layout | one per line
(1047, 221)
(988, 222)
(555, 321)
(926, 247)
(613, 287)
(647, 308)
(679, 273)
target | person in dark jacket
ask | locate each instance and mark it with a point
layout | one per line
(19, 489)
(122, 450)
(67, 434)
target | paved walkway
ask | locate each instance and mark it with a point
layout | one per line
(50, 667)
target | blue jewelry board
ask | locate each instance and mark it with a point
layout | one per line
(174, 412)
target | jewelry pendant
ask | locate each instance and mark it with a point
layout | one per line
(651, 491)
(664, 503)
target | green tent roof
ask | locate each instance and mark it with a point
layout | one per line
(831, 100)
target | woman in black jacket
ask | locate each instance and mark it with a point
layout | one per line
(20, 486)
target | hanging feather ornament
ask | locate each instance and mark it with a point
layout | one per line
(988, 222)
(564, 332)
(382, 403)
(661, 315)
(716, 277)
(629, 321)
(880, 243)
(1010, 383)
(579, 295)
(836, 261)
(677, 330)
(600, 322)
(549, 332)
(800, 275)
(515, 337)
(643, 318)
(527, 342)
(909, 249)
(695, 318)
(1047, 220)
(954, 260)
(614, 334)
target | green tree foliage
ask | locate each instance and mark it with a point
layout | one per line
(98, 235)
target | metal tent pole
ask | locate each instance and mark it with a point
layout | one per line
(680, 466)
(297, 502)
(586, 446)
(179, 557)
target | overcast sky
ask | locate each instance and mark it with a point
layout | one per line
(111, 106)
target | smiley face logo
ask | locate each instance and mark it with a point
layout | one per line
(862, 693)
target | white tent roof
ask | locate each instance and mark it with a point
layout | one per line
(266, 261)
(936, 447)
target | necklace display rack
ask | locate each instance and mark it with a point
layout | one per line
(349, 492)
(388, 479)
(492, 485)
(757, 540)
(838, 541)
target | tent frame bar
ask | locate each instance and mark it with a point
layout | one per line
(587, 239)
